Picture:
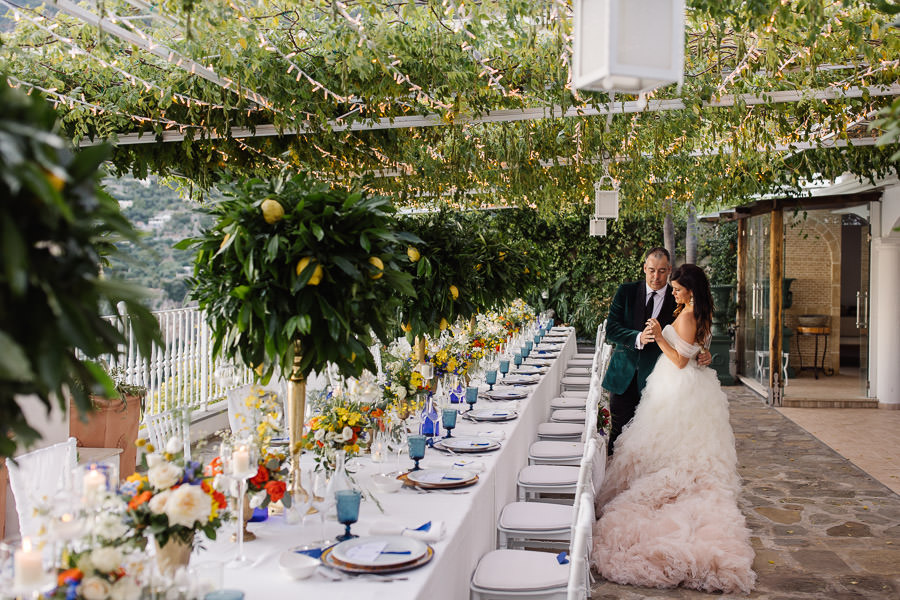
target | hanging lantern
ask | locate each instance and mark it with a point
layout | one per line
(629, 46)
(606, 205)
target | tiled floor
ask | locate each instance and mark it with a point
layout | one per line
(867, 437)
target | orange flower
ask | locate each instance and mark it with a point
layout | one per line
(140, 499)
(262, 476)
(276, 490)
(69, 575)
(214, 467)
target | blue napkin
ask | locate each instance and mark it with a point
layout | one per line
(425, 527)
(563, 558)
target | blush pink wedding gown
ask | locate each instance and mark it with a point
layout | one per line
(668, 504)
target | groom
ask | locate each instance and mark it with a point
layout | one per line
(636, 351)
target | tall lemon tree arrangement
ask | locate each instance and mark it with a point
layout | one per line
(294, 275)
(56, 226)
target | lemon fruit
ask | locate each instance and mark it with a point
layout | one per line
(56, 182)
(454, 291)
(272, 211)
(444, 324)
(316, 277)
(413, 254)
(376, 262)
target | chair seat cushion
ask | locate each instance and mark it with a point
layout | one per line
(569, 380)
(560, 429)
(535, 516)
(548, 475)
(568, 402)
(556, 449)
(575, 394)
(520, 570)
(569, 415)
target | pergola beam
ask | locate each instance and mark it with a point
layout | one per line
(512, 115)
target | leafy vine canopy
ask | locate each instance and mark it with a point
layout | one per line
(408, 91)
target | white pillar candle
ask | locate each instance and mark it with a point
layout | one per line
(29, 567)
(93, 484)
(240, 461)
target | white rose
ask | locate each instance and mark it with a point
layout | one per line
(347, 434)
(110, 526)
(401, 392)
(154, 460)
(158, 502)
(125, 589)
(320, 434)
(164, 475)
(94, 588)
(257, 499)
(106, 559)
(174, 445)
(187, 505)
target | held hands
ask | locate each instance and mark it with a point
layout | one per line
(704, 358)
(651, 332)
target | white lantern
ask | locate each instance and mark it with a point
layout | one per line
(598, 227)
(606, 202)
(630, 46)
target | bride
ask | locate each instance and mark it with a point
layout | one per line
(669, 500)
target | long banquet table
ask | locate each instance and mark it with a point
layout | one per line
(470, 518)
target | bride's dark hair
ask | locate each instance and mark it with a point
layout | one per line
(692, 278)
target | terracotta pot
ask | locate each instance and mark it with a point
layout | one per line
(174, 555)
(113, 423)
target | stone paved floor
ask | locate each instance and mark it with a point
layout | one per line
(821, 527)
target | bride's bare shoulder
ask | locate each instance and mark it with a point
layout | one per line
(686, 326)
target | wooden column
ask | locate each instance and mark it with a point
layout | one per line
(776, 275)
(741, 312)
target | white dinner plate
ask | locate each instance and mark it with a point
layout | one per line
(521, 379)
(468, 444)
(491, 414)
(506, 395)
(441, 477)
(396, 550)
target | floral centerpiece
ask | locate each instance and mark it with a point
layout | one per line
(173, 501)
(342, 423)
(95, 574)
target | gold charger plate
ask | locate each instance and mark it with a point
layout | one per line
(330, 561)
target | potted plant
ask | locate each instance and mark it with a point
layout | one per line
(57, 226)
(295, 275)
(113, 421)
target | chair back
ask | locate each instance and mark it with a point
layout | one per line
(590, 414)
(585, 483)
(579, 584)
(242, 418)
(168, 424)
(36, 477)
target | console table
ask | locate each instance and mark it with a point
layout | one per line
(817, 332)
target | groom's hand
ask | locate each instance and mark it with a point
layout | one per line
(647, 336)
(704, 358)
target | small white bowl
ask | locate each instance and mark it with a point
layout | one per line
(297, 566)
(386, 484)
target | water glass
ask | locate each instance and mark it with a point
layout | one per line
(347, 510)
(517, 359)
(490, 377)
(417, 449)
(537, 338)
(504, 366)
(528, 347)
(471, 396)
(448, 418)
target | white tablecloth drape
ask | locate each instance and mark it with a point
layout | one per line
(470, 518)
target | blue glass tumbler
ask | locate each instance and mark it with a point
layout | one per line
(517, 358)
(347, 510)
(448, 418)
(471, 396)
(529, 346)
(416, 449)
(490, 377)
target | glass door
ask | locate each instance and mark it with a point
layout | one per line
(862, 309)
(756, 335)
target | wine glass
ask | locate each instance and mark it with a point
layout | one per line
(240, 461)
(471, 396)
(448, 418)
(347, 510)
(320, 500)
(416, 449)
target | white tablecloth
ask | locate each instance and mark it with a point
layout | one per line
(470, 518)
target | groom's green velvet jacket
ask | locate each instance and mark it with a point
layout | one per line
(624, 323)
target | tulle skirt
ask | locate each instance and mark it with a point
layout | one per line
(668, 504)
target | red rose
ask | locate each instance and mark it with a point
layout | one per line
(261, 477)
(276, 490)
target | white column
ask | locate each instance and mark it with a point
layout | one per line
(885, 320)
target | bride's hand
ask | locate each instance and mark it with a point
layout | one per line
(655, 328)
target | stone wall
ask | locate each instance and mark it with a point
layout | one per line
(812, 249)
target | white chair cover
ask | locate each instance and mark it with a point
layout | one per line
(241, 418)
(36, 477)
(579, 585)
